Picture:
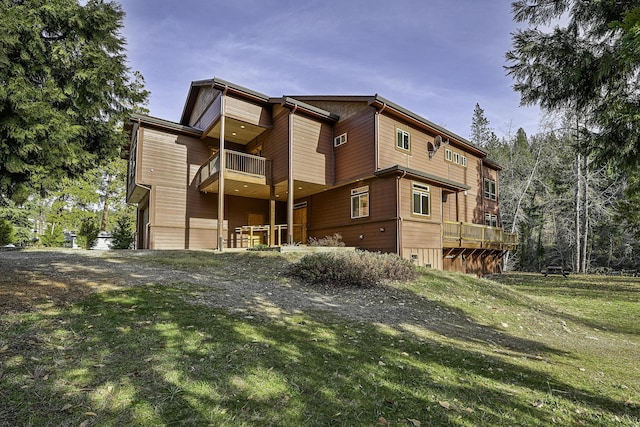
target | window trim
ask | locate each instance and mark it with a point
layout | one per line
(360, 193)
(418, 188)
(401, 133)
(340, 140)
(489, 194)
(491, 219)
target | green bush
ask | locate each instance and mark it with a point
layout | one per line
(53, 236)
(357, 268)
(6, 232)
(123, 234)
(88, 233)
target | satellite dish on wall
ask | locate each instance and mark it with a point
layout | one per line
(437, 141)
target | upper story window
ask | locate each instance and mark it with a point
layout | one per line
(490, 189)
(463, 161)
(456, 158)
(403, 140)
(339, 140)
(360, 202)
(448, 154)
(421, 200)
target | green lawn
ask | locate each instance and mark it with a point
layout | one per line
(528, 351)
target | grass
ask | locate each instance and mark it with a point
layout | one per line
(526, 351)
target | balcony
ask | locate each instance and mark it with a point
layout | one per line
(242, 171)
(476, 236)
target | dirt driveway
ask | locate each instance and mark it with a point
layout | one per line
(31, 279)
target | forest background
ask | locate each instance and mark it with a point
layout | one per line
(571, 191)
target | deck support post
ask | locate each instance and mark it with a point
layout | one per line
(221, 168)
(272, 215)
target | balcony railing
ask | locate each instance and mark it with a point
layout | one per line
(235, 161)
(466, 234)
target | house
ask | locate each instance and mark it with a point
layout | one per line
(241, 168)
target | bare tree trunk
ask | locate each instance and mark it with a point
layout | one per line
(578, 200)
(585, 228)
(105, 208)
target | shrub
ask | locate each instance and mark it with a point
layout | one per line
(88, 233)
(6, 232)
(123, 234)
(334, 240)
(357, 269)
(53, 236)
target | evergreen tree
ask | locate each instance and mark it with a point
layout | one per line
(65, 90)
(481, 133)
(589, 63)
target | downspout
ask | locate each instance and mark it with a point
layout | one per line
(376, 137)
(290, 180)
(398, 217)
(221, 167)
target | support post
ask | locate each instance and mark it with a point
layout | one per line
(221, 168)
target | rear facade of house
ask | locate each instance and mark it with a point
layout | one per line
(242, 169)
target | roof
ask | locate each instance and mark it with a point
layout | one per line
(447, 183)
(165, 124)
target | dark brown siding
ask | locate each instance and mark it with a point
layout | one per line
(206, 95)
(330, 212)
(355, 158)
(275, 144)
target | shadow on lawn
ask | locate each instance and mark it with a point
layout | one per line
(143, 356)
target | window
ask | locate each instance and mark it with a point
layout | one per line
(489, 189)
(463, 161)
(339, 140)
(490, 220)
(360, 202)
(421, 200)
(456, 158)
(403, 140)
(448, 154)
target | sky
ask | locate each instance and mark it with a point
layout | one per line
(437, 58)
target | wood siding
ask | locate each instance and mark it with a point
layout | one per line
(312, 151)
(206, 95)
(275, 145)
(247, 112)
(355, 158)
(330, 212)
(210, 116)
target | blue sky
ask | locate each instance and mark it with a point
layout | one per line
(437, 58)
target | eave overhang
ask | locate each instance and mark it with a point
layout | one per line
(154, 122)
(221, 85)
(416, 174)
(380, 103)
(305, 108)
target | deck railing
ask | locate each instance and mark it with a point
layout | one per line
(475, 233)
(237, 162)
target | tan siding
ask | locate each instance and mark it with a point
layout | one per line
(205, 96)
(312, 151)
(247, 112)
(430, 257)
(355, 158)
